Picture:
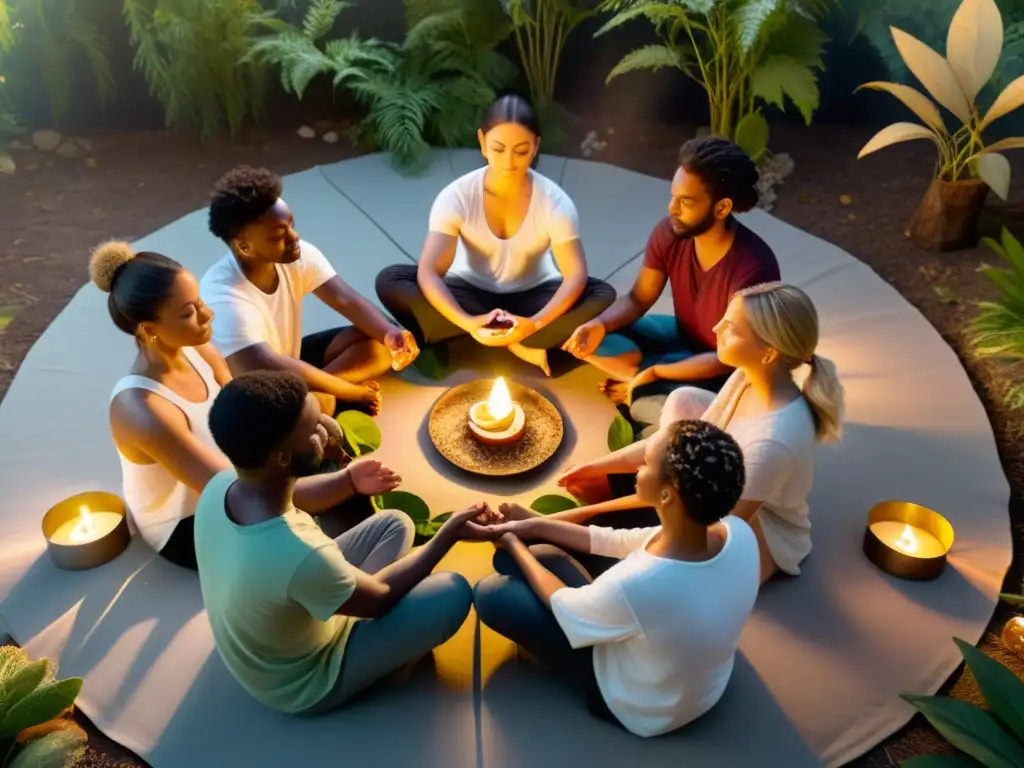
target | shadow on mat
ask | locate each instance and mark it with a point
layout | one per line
(529, 718)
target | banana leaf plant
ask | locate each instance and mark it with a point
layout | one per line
(973, 47)
(35, 731)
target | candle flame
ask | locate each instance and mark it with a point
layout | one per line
(500, 401)
(907, 540)
(85, 526)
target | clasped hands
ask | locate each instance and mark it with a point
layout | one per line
(499, 328)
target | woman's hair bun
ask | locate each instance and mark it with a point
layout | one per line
(106, 259)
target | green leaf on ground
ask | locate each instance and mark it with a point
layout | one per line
(430, 528)
(1002, 689)
(620, 433)
(553, 502)
(432, 362)
(403, 501)
(7, 314)
(970, 729)
(362, 435)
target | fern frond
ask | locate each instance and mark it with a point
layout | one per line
(652, 57)
(750, 20)
(97, 50)
(320, 17)
(297, 57)
(661, 15)
(6, 28)
(399, 112)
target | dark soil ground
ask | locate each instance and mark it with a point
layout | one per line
(56, 209)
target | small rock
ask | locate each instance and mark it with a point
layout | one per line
(46, 140)
(803, 199)
(91, 162)
(19, 146)
(610, 131)
(7, 164)
(31, 167)
(68, 150)
(331, 137)
(845, 199)
(851, 216)
(85, 144)
(306, 132)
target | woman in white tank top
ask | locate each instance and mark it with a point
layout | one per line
(158, 413)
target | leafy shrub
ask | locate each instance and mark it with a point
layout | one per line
(51, 36)
(192, 53)
(741, 52)
(998, 330)
(33, 729)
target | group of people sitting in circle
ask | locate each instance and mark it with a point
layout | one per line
(234, 466)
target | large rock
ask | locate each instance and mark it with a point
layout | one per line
(46, 140)
(69, 149)
(7, 164)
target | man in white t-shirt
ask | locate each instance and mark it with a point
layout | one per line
(256, 292)
(652, 641)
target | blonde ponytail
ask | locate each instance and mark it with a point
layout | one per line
(783, 317)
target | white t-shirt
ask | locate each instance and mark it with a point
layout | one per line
(778, 455)
(664, 632)
(519, 263)
(244, 315)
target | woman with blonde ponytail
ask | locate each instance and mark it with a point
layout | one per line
(768, 333)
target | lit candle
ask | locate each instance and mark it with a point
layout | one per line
(908, 539)
(498, 420)
(88, 526)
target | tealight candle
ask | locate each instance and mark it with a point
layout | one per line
(907, 540)
(498, 420)
(89, 526)
(86, 530)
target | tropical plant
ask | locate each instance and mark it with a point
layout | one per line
(541, 28)
(743, 53)
(998, 329)
(974, 44)
(52, 35)
(431, 89)
(992, 737)
(34, 729)
(447, 73)
(192, 53)
(9, 123)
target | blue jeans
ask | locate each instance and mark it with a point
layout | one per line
(657, 339)
(506, 603)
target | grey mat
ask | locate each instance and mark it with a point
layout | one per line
(822, 660)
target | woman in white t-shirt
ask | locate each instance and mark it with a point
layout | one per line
(652, 641)
(768, 332)
(502, 261)
(159, 412)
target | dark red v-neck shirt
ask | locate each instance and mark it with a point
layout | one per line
(700, 298)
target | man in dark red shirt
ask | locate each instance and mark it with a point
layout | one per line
(706, 255)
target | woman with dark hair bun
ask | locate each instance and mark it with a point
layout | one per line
(159, 412)
(502, 261)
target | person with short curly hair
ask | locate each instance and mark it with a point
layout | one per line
(651, 642)
(303, 621)
(257, 291)
(705, 255)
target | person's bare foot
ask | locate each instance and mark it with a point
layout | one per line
(616, 391)
(537, 357)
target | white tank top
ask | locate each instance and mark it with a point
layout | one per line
(157, 500)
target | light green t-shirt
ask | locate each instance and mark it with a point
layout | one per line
(270, 592)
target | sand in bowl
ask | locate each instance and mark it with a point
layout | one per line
(450, 433)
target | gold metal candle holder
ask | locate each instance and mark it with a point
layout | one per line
(907, 540)
(86, 530)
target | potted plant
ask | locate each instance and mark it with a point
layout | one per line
(34, 728)
(947, 217)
